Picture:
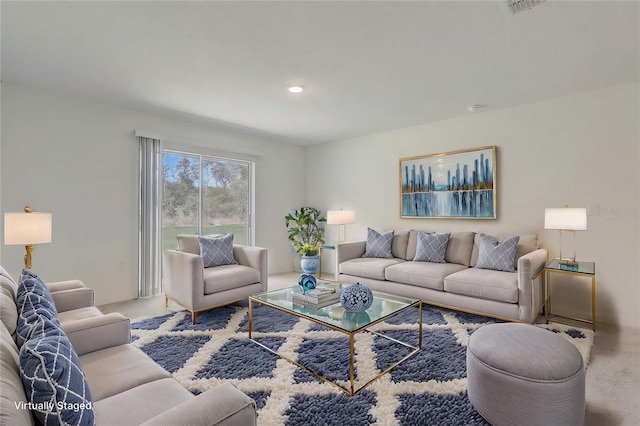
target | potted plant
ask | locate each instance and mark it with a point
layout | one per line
(306, 235)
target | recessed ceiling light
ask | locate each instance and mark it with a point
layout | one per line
(295, 89)
(474, 108)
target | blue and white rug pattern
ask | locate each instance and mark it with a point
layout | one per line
(427, 389)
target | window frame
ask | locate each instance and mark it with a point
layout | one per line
(211, 155)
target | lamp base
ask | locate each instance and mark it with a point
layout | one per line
(568, 262)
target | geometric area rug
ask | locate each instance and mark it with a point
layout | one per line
(430, 388)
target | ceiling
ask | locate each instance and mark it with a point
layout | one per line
(367, 67)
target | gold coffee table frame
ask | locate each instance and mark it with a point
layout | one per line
(281, 305)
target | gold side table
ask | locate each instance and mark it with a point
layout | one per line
(582, 269)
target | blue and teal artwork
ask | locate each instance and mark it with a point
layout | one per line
(459, 184)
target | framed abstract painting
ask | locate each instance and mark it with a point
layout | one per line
(456, 185)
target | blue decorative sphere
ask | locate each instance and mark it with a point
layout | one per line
(356, 298)
(307, 282)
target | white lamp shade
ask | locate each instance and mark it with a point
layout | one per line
(341, 217)
(566, 219)
(27, 228)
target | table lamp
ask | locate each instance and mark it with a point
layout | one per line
(342, 218)
(566, 219)
(27, 228)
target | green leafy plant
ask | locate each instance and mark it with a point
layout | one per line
(305, 232)
(309, 250)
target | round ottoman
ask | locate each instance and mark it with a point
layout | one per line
(520, 374)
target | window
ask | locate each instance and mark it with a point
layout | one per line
(206, 195)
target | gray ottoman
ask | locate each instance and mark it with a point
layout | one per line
(520, 374)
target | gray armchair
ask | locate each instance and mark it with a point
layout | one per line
(187, 282)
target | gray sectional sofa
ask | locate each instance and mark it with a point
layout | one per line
(456, 284)
(126, 386)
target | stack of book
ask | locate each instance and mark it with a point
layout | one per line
(317, 298)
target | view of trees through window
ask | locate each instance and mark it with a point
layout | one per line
(205, 195)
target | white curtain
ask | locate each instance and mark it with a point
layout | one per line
(149, 221)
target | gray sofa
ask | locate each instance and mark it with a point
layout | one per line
(456, 284)
(126, 386)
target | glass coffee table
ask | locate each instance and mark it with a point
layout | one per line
(335, 317)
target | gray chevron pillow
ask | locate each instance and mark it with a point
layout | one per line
(431, 247)
(378, 245)
(216, 251)
(498, 256)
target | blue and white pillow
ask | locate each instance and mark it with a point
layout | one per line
(431, 247)
(378, 245)
(499, 256)
(31, 283)
(33, 303)
(216, 251)
(54, 382)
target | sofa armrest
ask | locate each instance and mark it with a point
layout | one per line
(64, 285)
(95, 333)
(76, 298)
(222, 405)
(254, 257)
(350, 250)
(530, 294)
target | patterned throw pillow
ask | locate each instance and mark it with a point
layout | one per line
(216, 251)
(498, 256)
(31, 283)
(54, 382)
(378, 245)
(33, 302)
(431, 247)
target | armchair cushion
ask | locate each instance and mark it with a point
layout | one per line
(226, 277)
(216, 251)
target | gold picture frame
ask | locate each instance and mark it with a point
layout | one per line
(454, 185)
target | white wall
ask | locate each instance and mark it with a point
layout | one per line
(78, 160)
(581, 150)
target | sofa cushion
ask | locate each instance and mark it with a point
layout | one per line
(412, 244)
(8, 287)
(497, 255)
(126, 408)
(119, 368)
(8, 313)
(484, 284)
(226, 277)
(399, 244)
(54, 381)
(422, 274)
(459, 248)
(378, 245)
(11, 383)
(78, 314)
(526, 244)
(7, 282)
(431, 247)
(368, 267)
(216, 251)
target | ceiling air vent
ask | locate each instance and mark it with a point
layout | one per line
(517, 6)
